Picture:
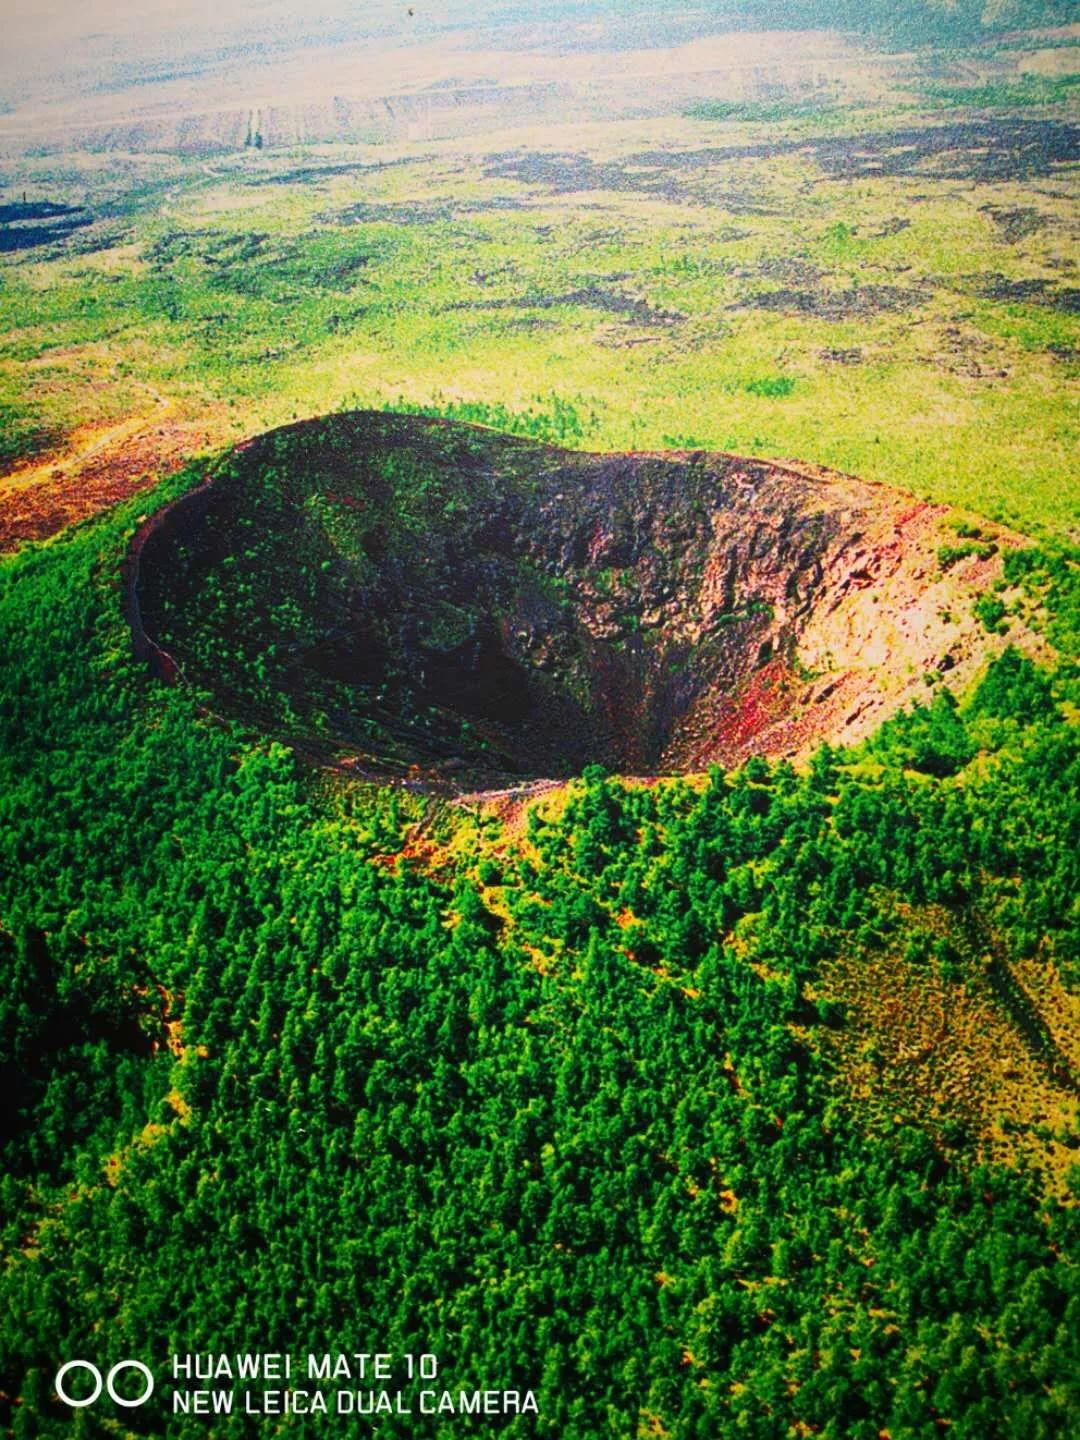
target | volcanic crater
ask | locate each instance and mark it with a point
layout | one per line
(415, 597)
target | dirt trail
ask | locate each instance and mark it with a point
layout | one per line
(102, 465)
(94, 440)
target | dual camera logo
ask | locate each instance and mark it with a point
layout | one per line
(109, 1382)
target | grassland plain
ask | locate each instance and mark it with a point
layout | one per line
(886, 288)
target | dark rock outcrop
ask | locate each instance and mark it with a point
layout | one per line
(441, 598)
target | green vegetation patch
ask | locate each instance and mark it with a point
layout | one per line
(259, 1052)
(1023, 91)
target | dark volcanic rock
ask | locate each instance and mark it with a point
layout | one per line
(441, 598)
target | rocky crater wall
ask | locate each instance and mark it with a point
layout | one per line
(439, 600)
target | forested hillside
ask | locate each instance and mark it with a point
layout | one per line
(572, 1106)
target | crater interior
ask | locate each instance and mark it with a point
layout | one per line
(425, 598)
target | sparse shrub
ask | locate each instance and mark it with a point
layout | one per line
(949, 555)
(991, 612)
(771, 386)
(550, 418)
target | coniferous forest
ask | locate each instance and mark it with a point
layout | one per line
(568, 1110)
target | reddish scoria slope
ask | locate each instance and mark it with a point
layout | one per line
(441, 599)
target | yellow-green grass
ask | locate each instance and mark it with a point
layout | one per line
(643, 309)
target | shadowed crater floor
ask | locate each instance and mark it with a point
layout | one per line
(437, 600)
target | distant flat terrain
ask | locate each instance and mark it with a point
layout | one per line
(620, 234)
